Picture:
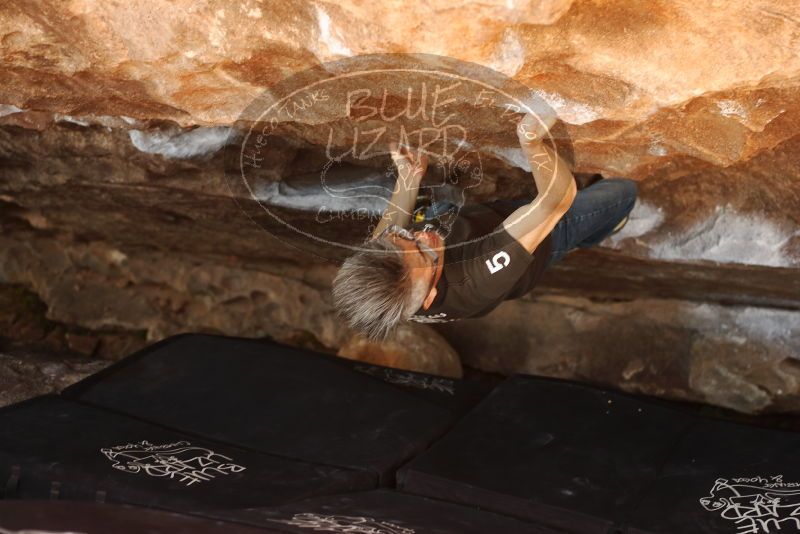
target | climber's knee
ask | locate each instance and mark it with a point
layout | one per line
(628, 190)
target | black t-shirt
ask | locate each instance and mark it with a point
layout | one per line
(484, 265)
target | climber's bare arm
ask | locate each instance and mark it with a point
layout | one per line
(555, 184)
(410, 171)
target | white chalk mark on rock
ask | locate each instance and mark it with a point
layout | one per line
(182, 144)
(510, 55)
(330, 36)
(726, 236)
(8, 109)
(731, 108)
(568, 110)
(316, 199)
(729, 237)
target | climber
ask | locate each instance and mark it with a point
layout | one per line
(504, 246)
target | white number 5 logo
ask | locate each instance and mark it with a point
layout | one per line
(495, 264)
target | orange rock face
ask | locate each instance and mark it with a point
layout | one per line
(636, 84)
(670, 92)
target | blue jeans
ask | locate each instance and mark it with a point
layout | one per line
(592, 216)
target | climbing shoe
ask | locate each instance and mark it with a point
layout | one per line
(619, 225)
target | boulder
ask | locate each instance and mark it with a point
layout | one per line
(413, 347)
(117, 212)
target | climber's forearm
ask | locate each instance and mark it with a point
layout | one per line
(401, 204)
(530, 224)
(551, 173)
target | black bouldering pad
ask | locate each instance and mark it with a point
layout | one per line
(557, 453)
(100, 518)
(53, 448)
(386, 512)
(283, 400)
(725, 477)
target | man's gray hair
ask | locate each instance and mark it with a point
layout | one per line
(374, 291)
